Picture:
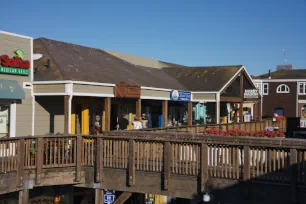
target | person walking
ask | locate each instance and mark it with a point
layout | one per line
(123, 122)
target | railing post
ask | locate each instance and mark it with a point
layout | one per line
(23, 197)
(20, 162)
(197, 129)
(204, 167)
(78, 158)
(246, 169)
(39, 159)
(293, 168)
(131, 171)
(99, 160)
(167, 162)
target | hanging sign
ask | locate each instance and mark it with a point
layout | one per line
(124, 91)
(250, 93)
(3, 122)
(15, 65)
(109, 197)
(176, 95)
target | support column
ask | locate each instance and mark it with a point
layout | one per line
(73, 119)
(165, 113)
(85, 119)
(138, 108)
(23, 197)
(259, 109)
(255, 112)
(99, 196)
(218, 109)
(66, 114)
(107, 109)
(190, 113)
(241, 95)
(241, 112)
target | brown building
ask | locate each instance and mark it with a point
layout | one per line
(16, 74)
(283, 92)
(78, 87)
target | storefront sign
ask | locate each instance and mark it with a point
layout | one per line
(3, 122)
(125, 91)
(16, 65)
(251, 93)
(176, 95)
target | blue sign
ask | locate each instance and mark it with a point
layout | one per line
(176, 95)
(109, 197)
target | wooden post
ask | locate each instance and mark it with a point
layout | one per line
(165, 113)
(189, 113)
(293, 168)
(23, 197)
(217, 112)
(99, 160)
(241, 95)
(20, 162)
(138, 108)
(204, 167)
(78, 158)
(241, 113)
(66, 112)
(73, 119)
(167, 165)
(107, 109)
(39, 159)
(246, 169)
(131, 172)
(99, 196)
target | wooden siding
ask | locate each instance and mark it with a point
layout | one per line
(274, 100)
(49, 88)
(91, 89)
(49, 114)
(9, 44)
(203, 96)
(155, 93)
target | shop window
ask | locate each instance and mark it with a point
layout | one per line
(279, 111)
(283, 88)
(302, 88)
(4, 120)
(265, 89)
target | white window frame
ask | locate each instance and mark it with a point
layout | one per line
(304, 88)
(279, 89)
(263, 88)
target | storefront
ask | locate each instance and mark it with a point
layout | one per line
(16, 101)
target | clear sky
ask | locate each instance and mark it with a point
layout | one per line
(194, 32)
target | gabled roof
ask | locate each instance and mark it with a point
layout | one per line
(211, 78)
(75, 62)
(284, 74)
(79, 63)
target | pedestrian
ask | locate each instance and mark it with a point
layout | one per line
(123, 122)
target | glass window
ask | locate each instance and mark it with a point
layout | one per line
(283, 88)
(301, 90)
(4, 120)
(265, 89)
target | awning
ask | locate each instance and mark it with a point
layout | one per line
(10, 89)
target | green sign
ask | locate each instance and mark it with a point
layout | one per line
(14, 71)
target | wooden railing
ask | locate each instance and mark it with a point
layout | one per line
(275, 160)
(247, 126)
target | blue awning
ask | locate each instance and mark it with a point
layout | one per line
(10, 89)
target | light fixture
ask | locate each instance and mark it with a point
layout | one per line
(37, 56)
(206, 197)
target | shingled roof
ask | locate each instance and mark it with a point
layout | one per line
(284, 74)
(74, 62)
(211, 78)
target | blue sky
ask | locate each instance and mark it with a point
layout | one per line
(195, 32)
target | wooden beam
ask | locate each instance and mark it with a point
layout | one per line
(73, 119)
(167, 165)
(190, 113)
(99, 196)
(165, 113)
(39, 159)
(230, 99)
(293, 167)
(138, 108)
(131, 163)
(85, 119)
(107, 109)
(20, 162)
(99, 160)
(23, 197)
(78, 158)
(123, 197)
(204, 167)
(66, 114)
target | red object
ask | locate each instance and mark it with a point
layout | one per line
(14, 62)
(238, 132)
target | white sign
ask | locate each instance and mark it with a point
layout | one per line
(250, 93)
(302, 123)
(3, 124)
